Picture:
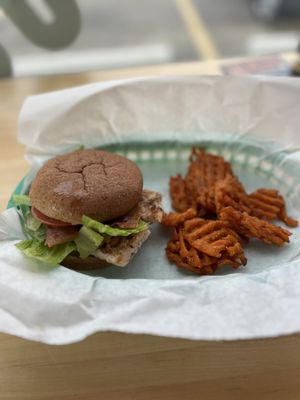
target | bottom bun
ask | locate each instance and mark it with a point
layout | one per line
(119, 254)
(77, 263)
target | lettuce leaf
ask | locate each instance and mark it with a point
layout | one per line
(50, 255)
(34, 228)
(111, 231)
(31, 222)
(21, 200)
(87, 241)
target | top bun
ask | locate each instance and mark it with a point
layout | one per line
(96, 183)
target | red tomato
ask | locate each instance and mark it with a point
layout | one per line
(53, 223)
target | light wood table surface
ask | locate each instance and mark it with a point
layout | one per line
(120, 366)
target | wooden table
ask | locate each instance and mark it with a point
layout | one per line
(120, 366)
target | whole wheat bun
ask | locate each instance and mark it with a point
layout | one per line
(96, 183)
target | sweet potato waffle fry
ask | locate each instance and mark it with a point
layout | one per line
(179, 196)
(203, 173)
(253, 227)
(210, 189)
(202, 246)
(230, 192)
(270, 205)
(211, 237)
(184, 256)
(174, 219)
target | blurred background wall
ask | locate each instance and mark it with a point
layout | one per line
(60, 36)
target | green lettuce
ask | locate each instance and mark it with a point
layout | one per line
(111, 231)
(21, 200)
(32, 223)
(87, 241)
(34, 228)
(50, 255)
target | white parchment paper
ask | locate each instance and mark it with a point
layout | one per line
(57, 305)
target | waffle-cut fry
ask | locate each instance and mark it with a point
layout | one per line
(178, 194)
(230, 192)
(253, 227)
(203, 244)
(220, 166)
(196, 228)
(199, 269)
(270, 205)
(194, 223)
(175, 219)
(204, 171)
(180, 251)
(213, 238)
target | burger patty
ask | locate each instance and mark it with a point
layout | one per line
(120, 250)
(148, 209)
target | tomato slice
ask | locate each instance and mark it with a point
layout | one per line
(53, 223)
